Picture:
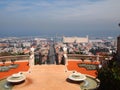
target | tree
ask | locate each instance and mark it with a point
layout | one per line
(13, 61)
(110, 75)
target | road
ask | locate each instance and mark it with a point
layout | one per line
(51, 54)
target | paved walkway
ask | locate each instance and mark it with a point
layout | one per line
(47, 77)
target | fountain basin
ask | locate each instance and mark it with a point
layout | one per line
(90, 83)
(77, 76)
(15, 78)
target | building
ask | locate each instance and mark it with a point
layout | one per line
(26, 44)
(75, 39)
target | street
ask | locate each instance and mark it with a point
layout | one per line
(51, 54)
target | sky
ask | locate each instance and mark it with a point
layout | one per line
(59, 17)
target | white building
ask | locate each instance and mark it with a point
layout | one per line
(26, 44)
(75, 39)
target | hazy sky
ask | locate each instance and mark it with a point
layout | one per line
(62, 17)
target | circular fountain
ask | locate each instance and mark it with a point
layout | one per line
(90, 83)
(86, 82)
(16, 78)
(76, 76)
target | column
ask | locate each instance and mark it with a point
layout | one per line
(31, 62)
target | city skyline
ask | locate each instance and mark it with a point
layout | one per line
(62, 17)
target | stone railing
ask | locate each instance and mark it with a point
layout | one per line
(92, 57)
(17, 58)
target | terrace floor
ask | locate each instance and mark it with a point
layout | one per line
(47, 77)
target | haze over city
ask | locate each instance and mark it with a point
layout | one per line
(63, 17)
